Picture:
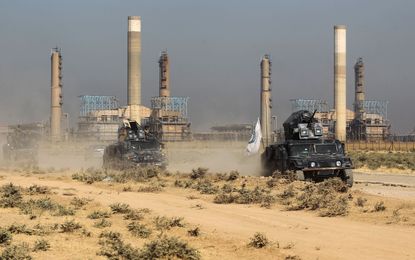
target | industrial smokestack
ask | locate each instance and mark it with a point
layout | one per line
(359, 98)
(134, 66)
(266, 100)
(56, 95)
(340, 80)
(164, 75)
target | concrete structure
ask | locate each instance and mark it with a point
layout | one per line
(340, 81)
(359, 90)
(134, 66)
(266, 100)
(164, 88)
(56, 95)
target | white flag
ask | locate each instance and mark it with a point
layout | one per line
(255, 141)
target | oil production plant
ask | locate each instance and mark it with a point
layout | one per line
(368, 119)
(167, 117)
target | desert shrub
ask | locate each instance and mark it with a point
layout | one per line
(360, 202)
(79, 202)
(70, 226)
(120, 208)
(20, 229)
(223, 198)
(36, 189)
(233, 175)
(151, 188)
(198, 173)
(5, 236)
(288, 193)
(138, 174)
(206, 187)
(44, 203)
(134, 215)
(183, 183)
(379, 206)
(259, 240)
(16, 252)
(257, 195)
(168, 248)
(41, 245)
(63, 211)
(165, 223)
(102, 223)
(90, 176)
(336, 207)
(113, 247)
(227, 188)
(10, 196)
(97, 214)
(194, 232)
(42, 230)
(139, 230)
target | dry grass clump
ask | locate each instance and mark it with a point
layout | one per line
(41, 245)
(379, 206)
(198, 173)
(360, 202)
(11, 196)
(99, 214)
(153, 187)
(5, 236)
(194, 232)
(139, 230)
(113, 247)
(137, 174)
(16, 252)
(78, 203)
(245, 196)
(259, 240)
(102, 223)
(164, 223)
(134, 215)
(36, 190)
(41, 205)
(325, 196)
(206, 187)
(168, 248)
(70, 226)
(375, 160)
(120, 208)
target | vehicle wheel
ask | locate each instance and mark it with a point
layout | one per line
(348, 177)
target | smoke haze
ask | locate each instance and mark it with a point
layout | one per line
(214, 48)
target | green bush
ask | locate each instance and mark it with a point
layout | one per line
(10, 196)
(139, 230)
(168, 248)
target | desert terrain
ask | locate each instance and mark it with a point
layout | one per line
(209, 204)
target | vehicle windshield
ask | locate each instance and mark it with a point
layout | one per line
(300, 149)
(326, 148)
(145, 145)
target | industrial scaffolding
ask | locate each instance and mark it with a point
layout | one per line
(310, 105)
(169, 119)
(94, 103)
(98, 118)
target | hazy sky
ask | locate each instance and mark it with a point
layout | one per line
(215, 49)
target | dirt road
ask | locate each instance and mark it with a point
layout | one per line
(307, 235)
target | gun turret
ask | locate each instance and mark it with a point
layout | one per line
(302, 125)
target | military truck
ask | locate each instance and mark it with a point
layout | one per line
(21, 147)
(306, 153)
(136, 146)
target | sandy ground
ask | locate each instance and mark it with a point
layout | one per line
(312, 237)
(301, 233)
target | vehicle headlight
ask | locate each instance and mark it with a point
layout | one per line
(318, 131)
(304, 132)
(312, 164)
(338, 163)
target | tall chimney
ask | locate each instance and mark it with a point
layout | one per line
(340, 80)
(164, 75)
(56, 95)
(359, 98)
(266, 100)
(134, 66)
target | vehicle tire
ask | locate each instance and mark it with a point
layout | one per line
(348, 178)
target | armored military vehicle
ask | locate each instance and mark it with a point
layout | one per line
(21, 147)
(136, 146)
(306, 153)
